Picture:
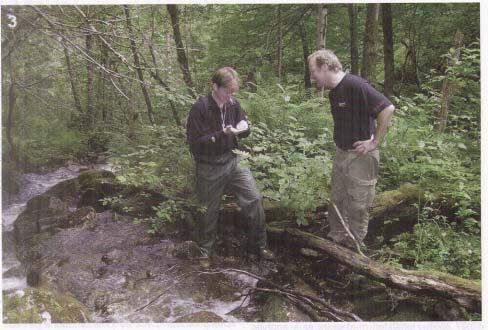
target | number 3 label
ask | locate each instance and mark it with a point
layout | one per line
(13, 21)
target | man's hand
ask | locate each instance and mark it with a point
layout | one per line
(363, 147)
(230, 130)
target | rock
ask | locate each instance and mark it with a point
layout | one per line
(201, 317)
(46, 205)
(114, 256)
(85, 216)
(409, 312)
(37, 305)
(187, 250)
(213, 286)
(309, 253)
(96, 185)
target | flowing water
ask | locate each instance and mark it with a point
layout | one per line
(33, 184)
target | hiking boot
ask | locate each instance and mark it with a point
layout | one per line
(266, 254)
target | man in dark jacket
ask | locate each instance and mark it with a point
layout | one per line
(214, 125)
(361, 117)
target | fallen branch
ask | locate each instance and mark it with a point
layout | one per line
(309, 299)
(439, 285)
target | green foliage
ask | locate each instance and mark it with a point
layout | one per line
(449, 162)
(157, 157)
(49, 142)
(436, 244)
(289, 167)
(275, 104)
(166, 212)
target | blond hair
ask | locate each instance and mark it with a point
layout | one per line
(326, 57)
(225, 77)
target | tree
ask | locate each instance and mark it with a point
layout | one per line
(368, 68)
(448, 86)
(180, 48)
(140, 74)
(388, 49)
(353, 22)
(321, 26)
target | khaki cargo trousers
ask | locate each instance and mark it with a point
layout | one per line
(353, 184)
(218, 174)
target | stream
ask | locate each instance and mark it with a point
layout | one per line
(33, 185)
(109, 264)
(121, 285)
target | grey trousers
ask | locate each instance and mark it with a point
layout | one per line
(353, 189)
(212, 180)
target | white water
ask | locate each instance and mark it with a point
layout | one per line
(33, 185)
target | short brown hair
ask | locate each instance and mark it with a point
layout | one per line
(326, 57)
(224, 77)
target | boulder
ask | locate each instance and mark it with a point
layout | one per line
(42, 306)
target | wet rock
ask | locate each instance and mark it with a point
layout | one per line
(213, 286)
(187, 250)
(33, 276)
(96, 185)
(201, 317)
(46, 204)
(67, 190)
(33, 305)
(409, 312)
(85, 216)
(449, 311)
(114, 256)
(17, 271)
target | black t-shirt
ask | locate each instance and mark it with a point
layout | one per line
(355, 105)
(205, 123)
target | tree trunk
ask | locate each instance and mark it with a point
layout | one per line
(321, 26)
(466, 293)
(353, 21)
(180, 49)
(89, 82)
(140, 74)
(12, 97)
(306, 53)
(368, 69)
(388, 49)
(102, 104)
(157, 77)
(449, 87)
(280, 45)
(71, 76)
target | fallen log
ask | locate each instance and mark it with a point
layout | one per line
(464, 292)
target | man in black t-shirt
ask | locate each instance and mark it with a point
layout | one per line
(361, 117)
(214, 123)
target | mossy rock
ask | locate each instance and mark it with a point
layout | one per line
(65, 190)
(91, 178)
(274, 309)
(46, 204)
(96, 185)
(200, 317)
(34, 304)
(214, 286)
(85, 216)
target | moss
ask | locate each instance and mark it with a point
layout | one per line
(274, 310)
(391, 198)
(276, 212)
(28, 308)
(203, 317)
(91, 178)
(84, 215)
